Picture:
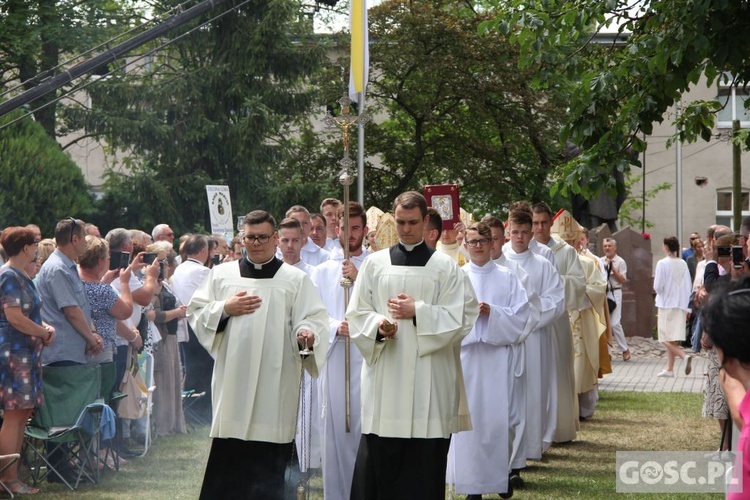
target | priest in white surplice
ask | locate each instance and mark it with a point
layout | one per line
(547, 294)
(340, 446)
(255, 315)
(571, 272)
(479, 461)
(411, 384)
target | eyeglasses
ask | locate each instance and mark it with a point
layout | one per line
(73, 228)
(481, 241)
(261, 238)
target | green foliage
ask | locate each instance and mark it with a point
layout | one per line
(458, 110)
(617, 91)
(209, 109)
(37, 35)
(38, 182)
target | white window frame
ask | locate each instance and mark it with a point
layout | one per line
(729, 214)
(734, 93)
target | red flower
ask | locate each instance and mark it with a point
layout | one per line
(646, 236)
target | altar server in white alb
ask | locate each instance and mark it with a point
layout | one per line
(307, 438)
(255, 316)
(340, 446)
(410, 309)
(479, 461)
(547, 294)
(571, 273)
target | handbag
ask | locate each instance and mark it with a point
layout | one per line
(133, 386)
(611, 303)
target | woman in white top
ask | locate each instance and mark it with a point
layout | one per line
(673, 286)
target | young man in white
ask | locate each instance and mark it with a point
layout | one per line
(307, 438)
(571, 272)
(547, 294)
(411, 385)
(479, 461)
(340, 446)
(311, 253)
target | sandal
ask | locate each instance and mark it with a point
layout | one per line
(626, 355)
(18, 487)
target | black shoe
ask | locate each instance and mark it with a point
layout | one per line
(473, 497)
(515, 481)
(509, 494)
(125, 452)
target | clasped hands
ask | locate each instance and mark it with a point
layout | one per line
(399, 307)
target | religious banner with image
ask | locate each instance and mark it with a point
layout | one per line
(220, 208)
(444, 199)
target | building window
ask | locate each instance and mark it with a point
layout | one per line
(724, 214)
(732, 96)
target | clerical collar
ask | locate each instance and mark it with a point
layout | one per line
(410, 255)
(258, 267)
(249, 269)
(409, 248)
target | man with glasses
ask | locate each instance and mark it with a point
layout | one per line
(162, 232)
(687, 252)
(264, 323)
(482, 455)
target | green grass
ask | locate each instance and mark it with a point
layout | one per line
(624, 421)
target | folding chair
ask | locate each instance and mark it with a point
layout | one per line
(189, 398)
(10, 460)
(67, 424)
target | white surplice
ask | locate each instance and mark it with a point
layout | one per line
(547, 294)
(258, 367)
(411, 386)
(339, 447)
(479, 459)
(569, 266)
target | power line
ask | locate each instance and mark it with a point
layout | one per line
(80, 87)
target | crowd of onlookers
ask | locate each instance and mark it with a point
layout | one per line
(83, 298)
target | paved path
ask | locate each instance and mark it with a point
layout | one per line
(639, 375)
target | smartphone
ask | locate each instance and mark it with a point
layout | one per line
(114, 260)
(725, 251)
(737, 256)
(215, 259)
(149, 258)
(161, 270)
(124, 260)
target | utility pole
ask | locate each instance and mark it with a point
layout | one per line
(736, 178)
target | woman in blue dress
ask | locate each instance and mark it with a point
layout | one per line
(22, 337)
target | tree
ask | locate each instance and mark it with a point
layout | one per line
(618, 90)
(38, 182)
(205, 110)
(38, 35)
(458, 109)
